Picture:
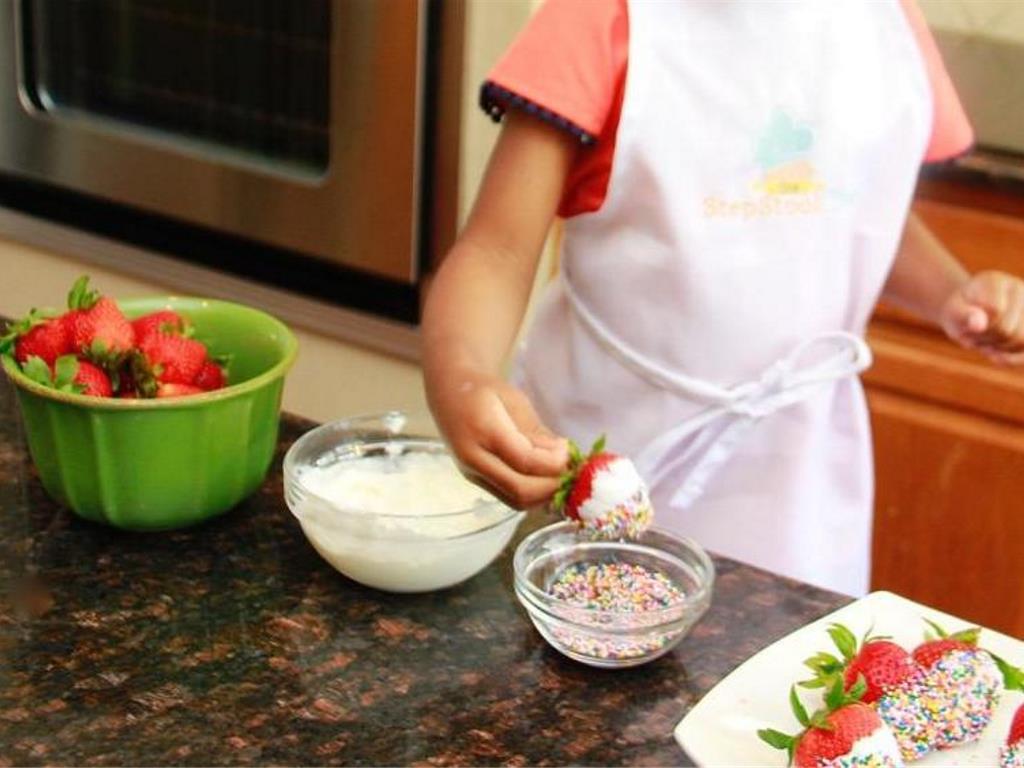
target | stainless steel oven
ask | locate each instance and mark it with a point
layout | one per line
(297, 124)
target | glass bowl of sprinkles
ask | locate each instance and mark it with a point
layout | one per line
(612, 604)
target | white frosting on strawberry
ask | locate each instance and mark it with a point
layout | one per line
(619, 505)
(1012, 756)
(878, 750)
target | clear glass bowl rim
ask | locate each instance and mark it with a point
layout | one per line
(538, 599)
(291, 477)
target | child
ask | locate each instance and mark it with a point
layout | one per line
(735, 177)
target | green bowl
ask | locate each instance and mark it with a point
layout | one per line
(169, 463)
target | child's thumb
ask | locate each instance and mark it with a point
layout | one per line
(970, 319)
(974, 320)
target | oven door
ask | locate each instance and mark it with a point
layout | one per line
(295, 123)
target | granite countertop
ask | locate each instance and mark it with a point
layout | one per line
(234, 643)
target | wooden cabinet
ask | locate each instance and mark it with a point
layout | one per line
(949, 448)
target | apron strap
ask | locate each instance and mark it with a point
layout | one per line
(691, 451)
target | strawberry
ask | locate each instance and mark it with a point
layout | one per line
(210, 377)
(1012, 753)
(48, 340)
(174, 389)
(939, 645)
(69, 374)
(93, 380)
(882, 664)
(930, 652)
(68, 320)
(960, 684)
(847, 733)
(163, 321)
(173, 358)
(1016, 728)
(38, 334)
(604, 494)
(97, 326)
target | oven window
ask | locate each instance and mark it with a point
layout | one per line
(241, 76)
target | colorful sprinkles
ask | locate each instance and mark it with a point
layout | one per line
(623, 521)
(1012, 757)
(623, 591)
(862, 761)
(945, 706)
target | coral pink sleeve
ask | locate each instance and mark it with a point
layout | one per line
(564, 66)
(951, 132)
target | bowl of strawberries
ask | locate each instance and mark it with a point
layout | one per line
(150, 413)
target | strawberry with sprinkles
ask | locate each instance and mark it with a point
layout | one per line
(604, 494)
(1011, 755)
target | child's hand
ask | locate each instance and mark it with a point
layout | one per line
(987, 314)
(499, 440)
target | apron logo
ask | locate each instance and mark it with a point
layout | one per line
(788, 184)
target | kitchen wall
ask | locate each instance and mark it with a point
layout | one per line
(998, 18)
(982, 42)
(331, 378)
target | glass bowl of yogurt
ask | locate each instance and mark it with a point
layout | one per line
(382, 500)
(608, 603)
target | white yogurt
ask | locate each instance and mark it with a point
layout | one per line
(619, 505)
(879, 748)
(405, 523)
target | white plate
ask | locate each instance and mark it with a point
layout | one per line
(721, 730)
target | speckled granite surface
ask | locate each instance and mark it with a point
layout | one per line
(233, 643)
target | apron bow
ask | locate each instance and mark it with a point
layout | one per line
(690, 452)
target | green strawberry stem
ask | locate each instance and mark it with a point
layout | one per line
(141, 374)
(844, 639)
(827, 667)
(80, 297)
(1013, 677)
(779, 740)
(576, 460)
(969, 635)
(65, 368)
(20, 327)
(835, 699)
(38, 371)
(798, 708)
(838, 697)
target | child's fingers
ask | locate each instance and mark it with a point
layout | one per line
(506, 440)
(1010, 324)
(522, 412)
(515, 489)
(1003, 298)
(990, 291)
(974, 320)
(964, 320)
(1007, 358)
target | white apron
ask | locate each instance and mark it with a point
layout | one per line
(708, 316)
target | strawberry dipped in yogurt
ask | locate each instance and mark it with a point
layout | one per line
(1012, 753)
(847, 734)
(604, 494)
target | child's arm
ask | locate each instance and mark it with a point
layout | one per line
(473, 310)
(983, 312)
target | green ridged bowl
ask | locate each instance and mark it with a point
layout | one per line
(152, 465)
